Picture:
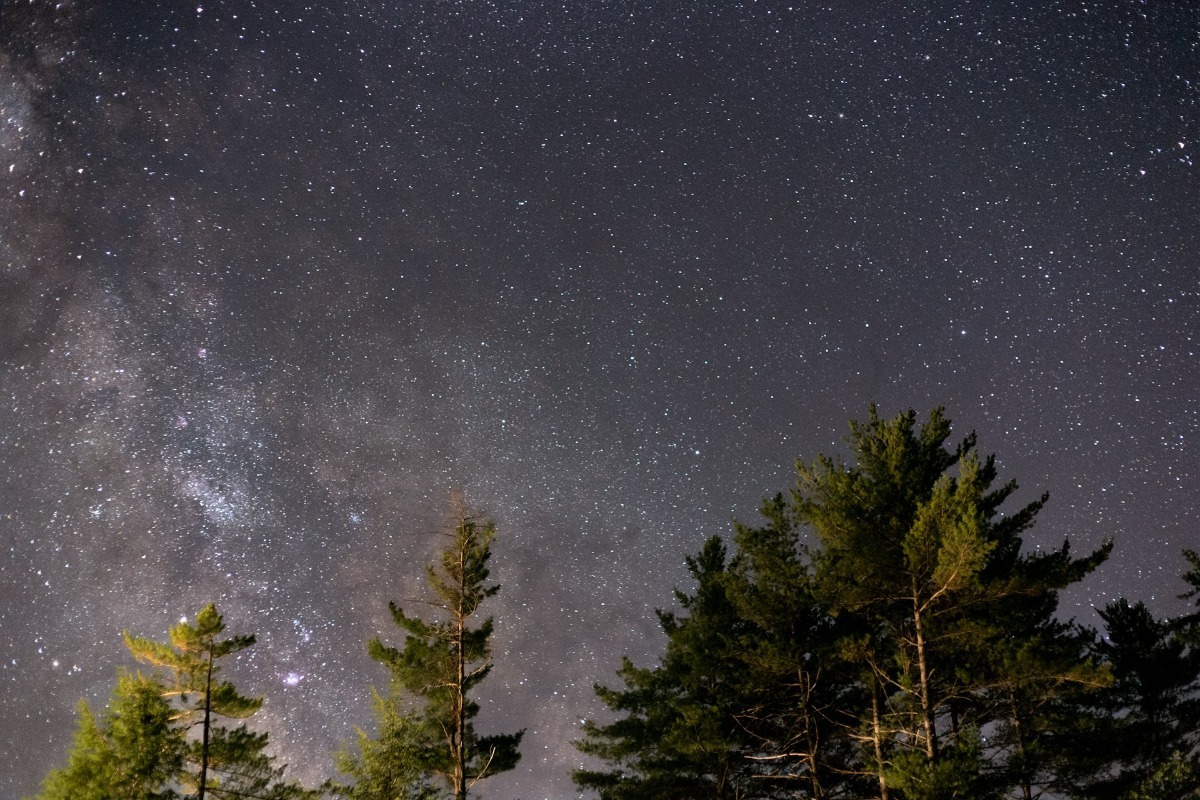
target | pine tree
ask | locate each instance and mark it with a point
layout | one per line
(1150, 718)
(924, 574)
(1177, 778)
(87, 774)
(1044, 683)
(395, 763)
(917, 624)
(681, 736)
(1189, 624)
(132, 752)
(226, 762)
(1042, 672)
(746, 700)
(873, 663)
(427, 744)
(901, 539)
(798, 685)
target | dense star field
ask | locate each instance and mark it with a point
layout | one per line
(276, 278)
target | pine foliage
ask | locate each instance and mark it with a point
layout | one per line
(884, 633)
(427, 745)
(222, 761)
(132, 752)
(161, 737)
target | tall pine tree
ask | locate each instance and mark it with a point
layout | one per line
(798, 687)
(426, 744)
(225, 762)
(1150, 718)
(917, 556)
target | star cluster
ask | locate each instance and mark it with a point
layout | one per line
(275, 277)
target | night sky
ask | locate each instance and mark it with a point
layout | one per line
(276, 278)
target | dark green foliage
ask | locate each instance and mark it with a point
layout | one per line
(911, 652)
(395, 764)
(680, 736)
(938, 598)
(427, 745)
(1148, 727)
(957, 772)
(87, 775)
(797, 691)
(1189, 625)
(1176, 778)
(1045, 679)
(742, 704)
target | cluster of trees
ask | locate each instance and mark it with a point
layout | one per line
(140, 747)
(178, 731)
(882, 634)
(907, 649)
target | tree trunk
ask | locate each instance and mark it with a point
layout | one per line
(460, 721)
(925, 690)
(1019, 735)
(811, 735)
(207, 717)
(877, 735)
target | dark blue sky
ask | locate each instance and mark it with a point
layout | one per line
(275, 278)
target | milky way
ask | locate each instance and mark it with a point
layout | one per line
(276, 278)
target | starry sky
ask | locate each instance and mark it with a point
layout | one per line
(276, 277)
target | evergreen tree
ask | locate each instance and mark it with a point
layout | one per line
(393, 765)
(872, 664)
(922, 571)
(132, 752)
(1042, 674)
(902, 539)
(427, 745)
(87, 775)
(799, 686)
(681, 735)
(1177, 778)
(1189, 624)
(226, 762)
(1045, 681)
(1150, 718)
(746, 700)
